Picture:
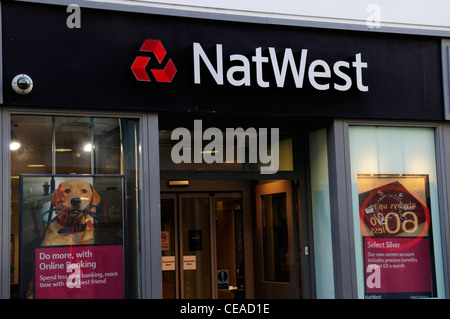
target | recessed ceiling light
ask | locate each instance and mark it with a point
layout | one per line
(14, 146)
(35, 165)
(88, 147)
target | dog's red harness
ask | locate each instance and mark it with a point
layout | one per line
(60, 209)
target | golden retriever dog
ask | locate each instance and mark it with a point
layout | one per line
(74, 202)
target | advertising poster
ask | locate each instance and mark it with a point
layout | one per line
(395, 221)
(72, 242)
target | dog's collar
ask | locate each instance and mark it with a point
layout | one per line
(62, 209)
(72, 230)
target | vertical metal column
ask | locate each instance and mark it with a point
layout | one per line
(5, 182)
(341, 212)
(5, 217)
(443, 174)
(53, 146)
(150, 208)
(92, 146)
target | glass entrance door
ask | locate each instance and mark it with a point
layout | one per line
(195, 246)
(202, 245)
(277, 267)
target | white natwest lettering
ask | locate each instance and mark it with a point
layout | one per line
(199, 53)
(319, 73)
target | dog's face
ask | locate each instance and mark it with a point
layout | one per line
(77, 195)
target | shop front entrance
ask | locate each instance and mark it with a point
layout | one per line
(202, 245)
(230, 229)
(226, 244)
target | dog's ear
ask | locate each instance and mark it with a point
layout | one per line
(95, 197)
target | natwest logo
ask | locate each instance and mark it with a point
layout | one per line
(265, 68)
(139, 65)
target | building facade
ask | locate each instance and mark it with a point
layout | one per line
(154, 152)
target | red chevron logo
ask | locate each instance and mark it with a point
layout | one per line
(139, 65)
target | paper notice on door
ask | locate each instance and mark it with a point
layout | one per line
(168, 263)
(189, 262)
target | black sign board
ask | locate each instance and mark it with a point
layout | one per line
(253, 68)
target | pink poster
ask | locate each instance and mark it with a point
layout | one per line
(79, 272)
(393, 267)
(395, 222)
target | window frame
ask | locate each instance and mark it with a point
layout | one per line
(342, 206)
(149, 275)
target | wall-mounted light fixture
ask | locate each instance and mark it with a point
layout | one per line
(14, 144)
(178, 183)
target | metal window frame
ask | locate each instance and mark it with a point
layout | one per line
(5, 218)
(149, 189)
(341, 199)
(344, 263)
(445, 56)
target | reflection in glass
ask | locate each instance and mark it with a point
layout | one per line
(275, 237)
(241, 153)
(196, 248)
(168, 247)
(230, 246)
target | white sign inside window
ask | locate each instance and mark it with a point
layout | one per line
(189, 262)
(168, 263)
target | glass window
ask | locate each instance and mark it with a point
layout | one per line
(275, 237)
(168, 248)
(72, 180)
(228, 150)
(196, 248)
(321, 214)
(396, 212)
